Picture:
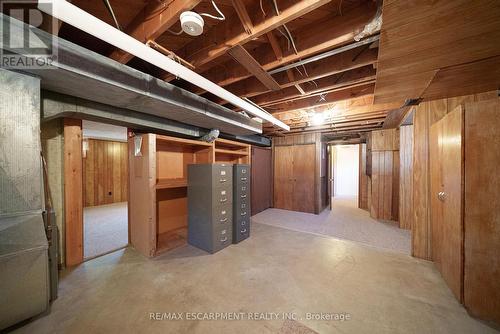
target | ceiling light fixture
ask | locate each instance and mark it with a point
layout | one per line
(84, 21)
(317, 118)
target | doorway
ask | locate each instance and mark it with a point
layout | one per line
(105, 188)
(345, 172)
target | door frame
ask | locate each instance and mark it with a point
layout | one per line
(73, 192)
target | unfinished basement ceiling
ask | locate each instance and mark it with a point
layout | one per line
(267, 37)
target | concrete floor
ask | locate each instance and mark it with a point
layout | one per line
(344, 221)
(105, 228)
(276, 270)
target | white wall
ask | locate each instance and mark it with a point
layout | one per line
(346, 170)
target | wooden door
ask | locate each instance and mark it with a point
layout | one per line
(446, 205)
(283, 177)
(304, 164)
(261, 175)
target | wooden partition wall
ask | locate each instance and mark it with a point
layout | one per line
(406, 176)
(384, 146)
(299, 173)
(262, 179)
(426, 114)
(105, 172)
(464, 207)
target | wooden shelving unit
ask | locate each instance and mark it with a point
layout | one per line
(231, 152)
(158, 186)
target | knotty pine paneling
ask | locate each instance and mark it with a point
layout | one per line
(105, 172)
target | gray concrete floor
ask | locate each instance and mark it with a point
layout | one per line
(276, 270)
(344, 221)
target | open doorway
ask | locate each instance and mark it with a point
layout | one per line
(346, 172)
(105, 188)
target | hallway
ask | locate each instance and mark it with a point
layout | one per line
(345, 221)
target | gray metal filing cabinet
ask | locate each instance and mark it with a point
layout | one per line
(210, 204)
(241, 202)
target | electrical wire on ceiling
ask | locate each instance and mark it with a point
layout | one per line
(112, 13)
(220, 18)
(291, 41)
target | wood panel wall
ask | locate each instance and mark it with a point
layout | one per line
(482, 213)
(363, 179)
(426, 114)
(262, 179)
(105, 172)
(303, 154)
(406, 176)
(73, 191)
(384, 174)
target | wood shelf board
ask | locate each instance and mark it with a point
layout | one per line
(224, 151)
(170, 183)
(182, 141)
(230, 144)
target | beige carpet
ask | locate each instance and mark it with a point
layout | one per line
(345, 221)
(105, 228)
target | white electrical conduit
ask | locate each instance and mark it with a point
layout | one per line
(82, 20)
(221, 18)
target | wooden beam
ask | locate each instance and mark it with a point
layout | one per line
(241, 10)
(342, 62)
(396, 117)
(311, 39)
(328, 84)
(246, 60)
(314, 101)
(273, 41)
(73, 191)
(155, 19)
(229, 33)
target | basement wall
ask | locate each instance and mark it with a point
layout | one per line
(426, 114)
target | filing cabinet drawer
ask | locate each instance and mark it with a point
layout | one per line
(222, 238)
(221, 196)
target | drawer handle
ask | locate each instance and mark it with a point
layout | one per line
(223, 220)
(222, 200)
(244, 196)
(223, 239)
(243, 223)
(244, 230)
(222, 180)
(244, 213)
(244, 179)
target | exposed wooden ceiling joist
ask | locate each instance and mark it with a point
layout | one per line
(310, 40)
(242, 12)
(312, 102)
(340, 63)
(155, 19)
(247, 61)
(352, 78)
(229, 33)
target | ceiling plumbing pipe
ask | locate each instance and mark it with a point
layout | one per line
(82, 20)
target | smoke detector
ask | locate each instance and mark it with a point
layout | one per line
(192, 23)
